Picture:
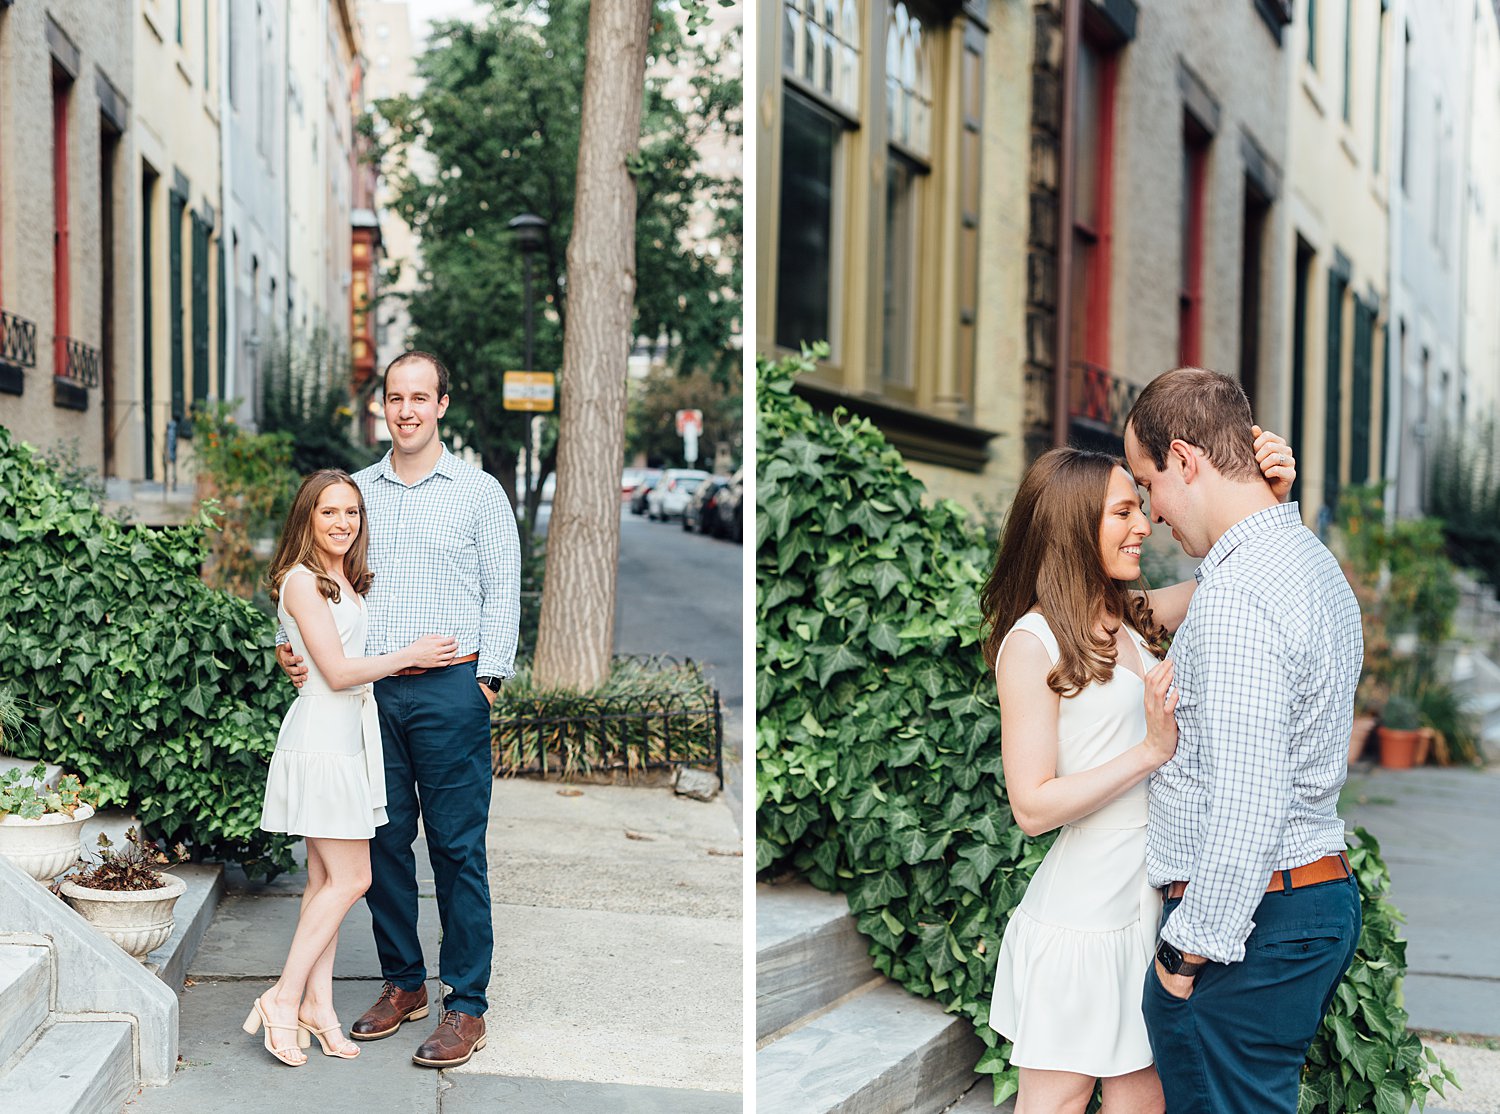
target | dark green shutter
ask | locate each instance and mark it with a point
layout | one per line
(1334, 402)
(223, 327)
(200, 310)
(174, 265)
(1361, 413)
(148, 400)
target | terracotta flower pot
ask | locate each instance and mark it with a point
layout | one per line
(1359, 737)
(138, 920)
(44, 847)
(1398, 749)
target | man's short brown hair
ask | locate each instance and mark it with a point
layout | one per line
(1203, 408)
(426, 357)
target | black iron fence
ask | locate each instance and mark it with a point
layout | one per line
(679, 722)
(79, 364)
(17, 351)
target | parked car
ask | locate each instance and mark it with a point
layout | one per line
(700, 513)
(642, 492)
(631, 478)
(729, 520)
(669, 498)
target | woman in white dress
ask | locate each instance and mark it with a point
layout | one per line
(1087, 714)
(327, 776)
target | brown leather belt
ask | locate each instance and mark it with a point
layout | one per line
(412, 671)
(1329, 868)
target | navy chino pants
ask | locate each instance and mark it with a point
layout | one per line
(1236, 1046)
(435, 727)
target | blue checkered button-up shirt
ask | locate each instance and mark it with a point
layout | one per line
(446, 559)
(1266, 664)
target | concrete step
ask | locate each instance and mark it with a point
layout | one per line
(25, 982)
(980, 1099)
(75, 1067)
(193, 913)
(880, 1052)
(807, 954)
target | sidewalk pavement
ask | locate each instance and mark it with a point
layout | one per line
(616, 983)
(1438, 830)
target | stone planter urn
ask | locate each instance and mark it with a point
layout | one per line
(1398, 749)
(46, 846)
(138, 920)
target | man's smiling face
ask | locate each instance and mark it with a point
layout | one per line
(412, 405)
(1168, 497)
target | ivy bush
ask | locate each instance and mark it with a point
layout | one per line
(878, 770)
(160, 691)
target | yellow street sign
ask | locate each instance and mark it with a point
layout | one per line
(530, 390)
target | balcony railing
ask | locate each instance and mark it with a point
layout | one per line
(17, 351)
(77, 363)
(1100, 399)
(77, 370)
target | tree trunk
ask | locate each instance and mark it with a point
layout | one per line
(576, 637)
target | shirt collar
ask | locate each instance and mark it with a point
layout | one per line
(447, 465)
(1283, 516)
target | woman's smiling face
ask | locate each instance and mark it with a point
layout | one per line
(1122, 528)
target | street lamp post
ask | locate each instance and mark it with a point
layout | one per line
(530, 232)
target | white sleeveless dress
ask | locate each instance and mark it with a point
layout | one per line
(1075, 953)
(327, 775)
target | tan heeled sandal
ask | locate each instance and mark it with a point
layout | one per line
(259, 1019)
(321, 1034)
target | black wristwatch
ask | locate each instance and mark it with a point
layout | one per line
(491, 683)
(1173, 963)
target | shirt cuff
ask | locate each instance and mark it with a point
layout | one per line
(281, 636)
(1194, 939)
(493, 668)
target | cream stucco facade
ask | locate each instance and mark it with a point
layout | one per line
(1337, 247)
(180, 226)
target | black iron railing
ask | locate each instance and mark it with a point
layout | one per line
(544, 734)
(1100, 398)
(17, 340)
(78, 363)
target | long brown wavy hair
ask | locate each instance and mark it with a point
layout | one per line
(1049, 559)
(296, 546)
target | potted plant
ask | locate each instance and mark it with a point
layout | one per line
(125, 896)
(40, 826)
(1400, 732)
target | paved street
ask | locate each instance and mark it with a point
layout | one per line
(682, 594)
(1438, 829)
(616, 983)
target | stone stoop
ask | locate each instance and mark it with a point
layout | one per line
(836, 1036)
(83, 1060)
(49, 1065)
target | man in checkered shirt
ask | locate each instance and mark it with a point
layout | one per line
(1261, 916)
(447, 560)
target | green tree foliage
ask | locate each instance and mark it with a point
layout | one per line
(158, 690)
(494, 134)
(878, 770)
(651, 422)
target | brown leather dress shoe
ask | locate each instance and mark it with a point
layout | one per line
(457, 1037)
(393, 1007)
